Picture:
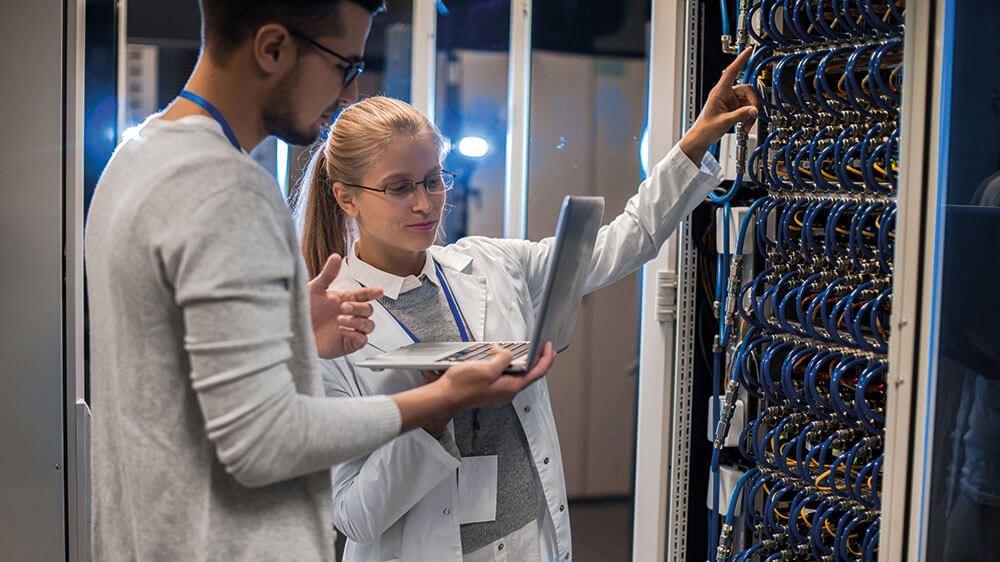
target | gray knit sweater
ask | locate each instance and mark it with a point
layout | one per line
(211, 435)
(425, 312)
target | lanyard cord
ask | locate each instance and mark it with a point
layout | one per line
(459, 321)
(455, 312)
(215, 113)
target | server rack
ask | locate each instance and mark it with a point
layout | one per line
(854, 355)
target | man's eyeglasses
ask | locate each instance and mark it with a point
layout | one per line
(402, 190)
(353, 67)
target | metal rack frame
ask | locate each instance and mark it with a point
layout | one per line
(666, 337)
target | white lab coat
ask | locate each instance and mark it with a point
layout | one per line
(400, 502)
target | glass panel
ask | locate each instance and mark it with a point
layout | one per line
(471, 110)
(388, 67)
(100, 97)
(962, 505)
(588, 108)
(388, 71)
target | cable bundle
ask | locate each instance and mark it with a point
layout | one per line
(805, 332)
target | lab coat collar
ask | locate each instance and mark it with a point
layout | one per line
(450, 258)
(392, 285)
(469, 291)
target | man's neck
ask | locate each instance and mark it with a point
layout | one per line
(236, 98)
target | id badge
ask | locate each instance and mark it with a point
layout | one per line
(477, 489)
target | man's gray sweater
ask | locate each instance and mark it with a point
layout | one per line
(211, 435)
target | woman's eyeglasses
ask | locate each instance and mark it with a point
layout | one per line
(401, 190)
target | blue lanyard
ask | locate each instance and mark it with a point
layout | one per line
(215, 113)
(455, 313)
(461, 330)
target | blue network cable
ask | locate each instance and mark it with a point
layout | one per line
(818, 306)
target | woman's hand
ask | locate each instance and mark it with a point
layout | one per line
(465, 386)
(474, 384)
(727, 105)
(340, 319)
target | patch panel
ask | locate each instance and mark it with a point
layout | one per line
(803, 327)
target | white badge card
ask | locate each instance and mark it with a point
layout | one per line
(477, 489)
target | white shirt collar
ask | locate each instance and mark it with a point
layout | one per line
(392, 285)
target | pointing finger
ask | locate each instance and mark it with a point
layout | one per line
(363, 294)
(732, 71)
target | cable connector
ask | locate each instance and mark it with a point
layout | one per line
(742, 35)
(741, 148)
(725, 550)
(728, 46)
(716, 346)
(726, 414)
(733, 291)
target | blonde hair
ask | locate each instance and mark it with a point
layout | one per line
(361, 135)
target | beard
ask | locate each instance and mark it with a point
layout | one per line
(279, 114)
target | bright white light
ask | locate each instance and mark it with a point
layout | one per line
(130, 133)
(473, 147)
(644, 152)
(281, 166)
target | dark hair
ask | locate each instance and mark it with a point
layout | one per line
(225, 24)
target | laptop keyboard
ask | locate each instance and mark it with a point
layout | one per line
(482, 351)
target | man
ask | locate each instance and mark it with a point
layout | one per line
(211, 438)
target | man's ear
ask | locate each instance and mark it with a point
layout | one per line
(345, 198)
(273, 48)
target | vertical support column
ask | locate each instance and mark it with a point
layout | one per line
(424, 38)
(77, 434)
(653, 438)
(683, 372)
(32, 411)
(908, 357)
(121, 82)
(518, 99)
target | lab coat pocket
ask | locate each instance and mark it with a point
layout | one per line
(477, 489)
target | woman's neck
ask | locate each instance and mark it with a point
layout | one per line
(401, 263)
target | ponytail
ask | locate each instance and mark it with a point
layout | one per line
(323, 226)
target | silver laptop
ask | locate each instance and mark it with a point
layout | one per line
(569, 265)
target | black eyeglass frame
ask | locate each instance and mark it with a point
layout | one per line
(445, 176)
(352, 70)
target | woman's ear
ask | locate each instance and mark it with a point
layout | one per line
(345, 198)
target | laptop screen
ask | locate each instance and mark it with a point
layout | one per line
(569, 267)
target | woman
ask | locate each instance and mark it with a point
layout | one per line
(490, 482)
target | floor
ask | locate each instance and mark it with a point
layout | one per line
(602, 530)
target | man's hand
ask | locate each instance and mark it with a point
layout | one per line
(727, 105)
(340, 320)
(435, 426)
